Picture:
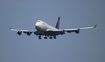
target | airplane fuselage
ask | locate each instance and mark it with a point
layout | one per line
(42, 26)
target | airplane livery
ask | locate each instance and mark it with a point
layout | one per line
(43, 29)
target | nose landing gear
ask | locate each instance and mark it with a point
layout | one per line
(39, 37)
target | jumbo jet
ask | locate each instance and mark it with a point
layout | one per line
(43, 29)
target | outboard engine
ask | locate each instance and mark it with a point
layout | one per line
(29, 33)
(19, 32)
(77, 31)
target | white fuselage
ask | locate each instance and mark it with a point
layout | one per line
(42, 26)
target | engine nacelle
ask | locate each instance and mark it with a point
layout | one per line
(29, 33)
(77, 31)
(62, 32)
(19, 32)
(68, 31)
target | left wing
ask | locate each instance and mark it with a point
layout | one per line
(78, 29)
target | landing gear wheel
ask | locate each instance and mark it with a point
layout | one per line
(39, 37)
(45, 37)
(54, 37)
(50, 37)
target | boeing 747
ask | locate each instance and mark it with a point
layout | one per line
(43, 29)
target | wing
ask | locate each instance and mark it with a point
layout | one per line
(78, 29)
(19, 32)
(62, 31)
(22, 30)
(29, 32)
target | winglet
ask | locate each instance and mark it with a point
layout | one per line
(95, 26)
(58, 23)
(10, 28)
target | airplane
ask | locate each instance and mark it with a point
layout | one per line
(46, 30)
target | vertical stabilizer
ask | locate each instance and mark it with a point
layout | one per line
(58, 23)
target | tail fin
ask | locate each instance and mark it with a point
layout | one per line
(58, 23)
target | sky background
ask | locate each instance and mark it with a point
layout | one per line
(87, 46)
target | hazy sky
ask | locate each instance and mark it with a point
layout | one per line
(88, 46)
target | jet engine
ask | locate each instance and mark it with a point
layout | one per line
(62, 32)
(77, 31)
(29, 33)
(19, 32)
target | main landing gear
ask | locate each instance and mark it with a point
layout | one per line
(45, 37)
(54, 37)
(50, 37)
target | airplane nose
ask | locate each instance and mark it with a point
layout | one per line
(38, 27)
(37, 24)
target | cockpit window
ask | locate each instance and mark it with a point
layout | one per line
(38, 21)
